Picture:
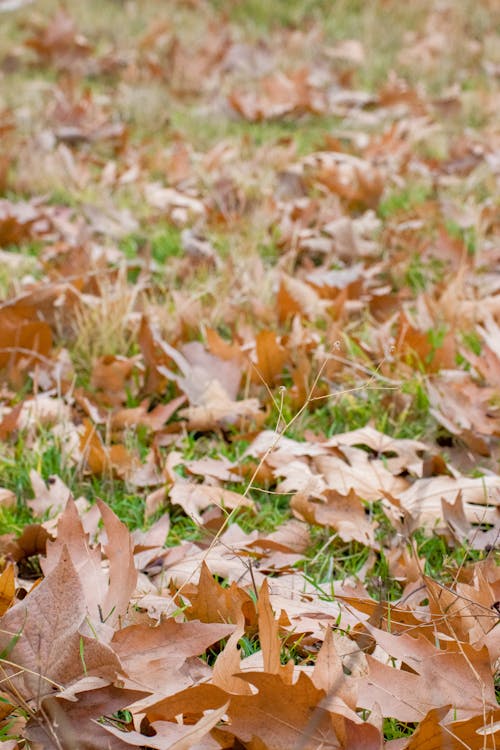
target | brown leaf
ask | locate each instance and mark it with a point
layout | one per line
(154, 502)
(464, 531)
(191, 703)
(211, 602)
(328, 673)
(59, 41)
(271, 357)
(368, 478)
(172, 736)
(221, 348)
(431, 734)
(154, 419)
(227, 668)
(281, 716)
(76, 719)
(87, 562)
(423, 499)
(110, 375)
(23, 336)
(268, 632)
(33, 541)
(194, 498)
(106, 592)
(460, 678)
(122, 573)
(50, 652)
(52, 496)
(92, 449)
(153, 656)
(416, 345)
(218, 411)
(200, 370)
(344, 513)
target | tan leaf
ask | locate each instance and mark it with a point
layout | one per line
(328, 675)
(87, 563)
(7, 498)
(153, 656)
(423, 498)
(194, 498)
(344, 513)
(49, 651)
(52, 496)
(80, 716)
(460, 678)
(122, 573)
(472, 733)
(280, 715)
(171, 736)
(227, 668)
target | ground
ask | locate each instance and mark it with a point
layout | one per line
(249, 299)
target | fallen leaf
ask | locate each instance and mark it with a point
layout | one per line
(281, 715)
(7, 498)
(271, 357)
(211, 602)
(51, 496)
(194, 498)
(344, 513)
(171, 736)
(40, 636)
(153, 656)
(7, 588)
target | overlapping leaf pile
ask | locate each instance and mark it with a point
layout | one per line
(119, 625)
(249, 295)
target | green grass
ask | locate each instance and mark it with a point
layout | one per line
(331, 559)
(263, 16)
(166, 244)
(420, 274)
(308, 132)
(393, 729)
(404, 200)
(374, 405)
(272, 510)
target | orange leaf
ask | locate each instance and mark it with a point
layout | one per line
(7, 588)
(271, 357)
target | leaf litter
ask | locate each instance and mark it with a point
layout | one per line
(249, 302)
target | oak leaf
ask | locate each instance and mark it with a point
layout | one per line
(41, 636)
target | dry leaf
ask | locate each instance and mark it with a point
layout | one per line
(194, 498)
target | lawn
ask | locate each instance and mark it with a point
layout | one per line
(249, 374)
